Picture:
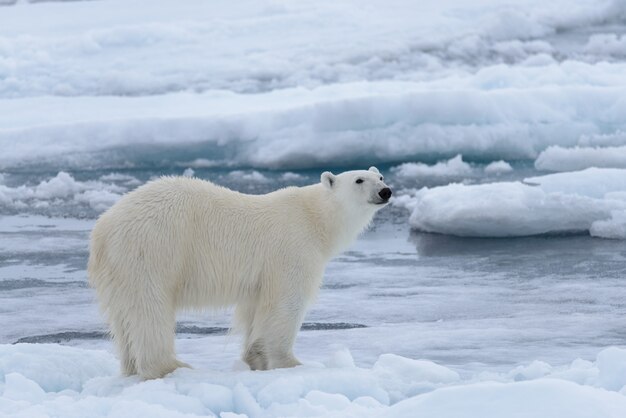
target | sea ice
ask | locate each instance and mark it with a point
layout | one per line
(249, 176)
(486, 79)
(63, 190)
(498, 167)
(612, 228)
(43, 380)
(250, 85)
(556, 158)
(452, 168)
(556, 203)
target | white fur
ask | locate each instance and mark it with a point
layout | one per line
(179, 243)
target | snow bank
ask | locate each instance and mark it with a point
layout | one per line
(593, 199)
(556, 158)
(42, 380)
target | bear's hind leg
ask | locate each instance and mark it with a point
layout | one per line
(255, 355)
(122, 342)
(152, 332)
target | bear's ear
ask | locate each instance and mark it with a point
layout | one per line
(374, 169)
(328, 179)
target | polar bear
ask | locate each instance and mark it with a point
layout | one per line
(179, 243)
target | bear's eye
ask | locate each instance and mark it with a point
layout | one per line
(359, 181)
(381, 178)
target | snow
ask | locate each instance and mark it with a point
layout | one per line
(42, 380)
(543, 398)
(454, 167)
(498, 167)
(591, 199)
(249, 176)
(607, 44)
(291, 176)
(556, 158)
(256, 46)
(98, 97)
(403, 120)
(613, 228)
(63, 190)
(306, 84)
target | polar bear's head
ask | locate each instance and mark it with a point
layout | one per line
(359, 189)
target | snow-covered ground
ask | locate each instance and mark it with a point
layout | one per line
(51, 380)
(309, 83)
(488, 118)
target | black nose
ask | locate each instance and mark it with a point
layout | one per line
(385, 193)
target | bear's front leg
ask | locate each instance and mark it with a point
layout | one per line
(272, 333)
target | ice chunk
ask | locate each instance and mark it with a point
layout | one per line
(414, 370)
(282, 390)
(534, 370)
(53, 367)
(498, 167)
(563, 202)
(543, 398)
(125, 179)
(341, 358)
(454, 167)
(606, 44)
(611, 363)
(214, 397)
(613, 228)
(556, 158)
(60, 192)
(250, 176)
(593, 182)
(19, 388)
(291, 176)
(330, 401)
(244, 402)
(61, 186)
(99, 200)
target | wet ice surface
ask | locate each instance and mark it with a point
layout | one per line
(466, 302)
(470, 304)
